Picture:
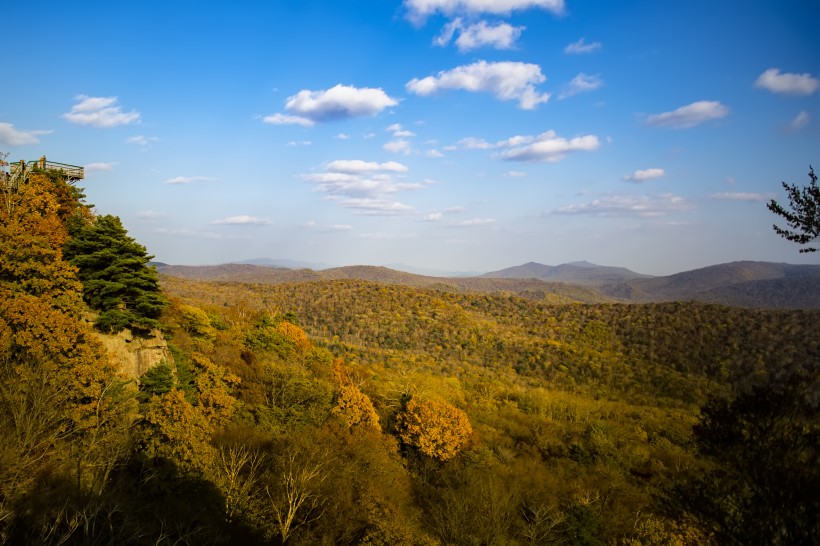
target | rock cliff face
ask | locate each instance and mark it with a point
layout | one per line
(136, 355)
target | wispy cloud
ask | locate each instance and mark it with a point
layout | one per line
(151, 215)
(141, 140)
(581, 46)
(504, 80)
(285, 119)
(547, 147)
(356, 166)
(419, 10)
(800, 120)
(195, 234)
(642, 175)
(581, 83)
(741, 196)
(690, 115)
(9, 136)
(382, 236)
(438, 215)
(515, 174)
(190, 179)
(365, 187)
(480, 34)
(470, 143)
(312, 225)
(398, 146)
(787, 83)
(474, 222)
(339, 102)
(294, 143)
(643, 206)
(100, 112)
(342, 136)
(242, 220)
(96, 167)
(399, 131)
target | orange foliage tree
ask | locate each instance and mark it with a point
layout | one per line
(436, 428)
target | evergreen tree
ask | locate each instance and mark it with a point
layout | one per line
(116, 279)
(804, 216)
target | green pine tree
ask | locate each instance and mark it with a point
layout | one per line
(116, 279)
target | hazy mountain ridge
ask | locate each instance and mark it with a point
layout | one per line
(256, 274)
(575, 272)
(742, 284)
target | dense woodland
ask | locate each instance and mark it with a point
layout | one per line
(353, 412)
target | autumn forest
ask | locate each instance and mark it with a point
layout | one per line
(344, 411)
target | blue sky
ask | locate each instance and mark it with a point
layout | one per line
(445, 134)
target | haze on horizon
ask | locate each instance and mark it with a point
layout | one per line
(455, 135)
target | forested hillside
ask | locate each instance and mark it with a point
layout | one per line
(344, 411)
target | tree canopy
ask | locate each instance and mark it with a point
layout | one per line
(116, 279)
(803, 214)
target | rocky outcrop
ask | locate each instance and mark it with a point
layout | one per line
(135, 355)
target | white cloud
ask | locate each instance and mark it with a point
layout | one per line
(190, 179)
(550, 147)
(582, 47)
(472, 223)
(9, 136)
(400, 132)
(690, 115)
(504, 80)
(141, 140)
(481, 34)
(789, 84)
(328, 228)
(419, 10)
(93, 167)
(357, 166)
(375, 207)
(433, 153)
(284, 119)
(210, 235)
(294, 143)
(151, 215)
(470, 143)
(365, 187)
(800, 120)
(242, 220)
(100, 112)
(642, 175)
(381, 236)
(339, 102)
(643, 206)
(398, 146)
(581, 84)
(342, 136)
(515, 174)
(741, 196)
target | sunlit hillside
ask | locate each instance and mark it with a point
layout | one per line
(323, 408)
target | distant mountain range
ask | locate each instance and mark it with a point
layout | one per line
(742, 284)
(584, 273)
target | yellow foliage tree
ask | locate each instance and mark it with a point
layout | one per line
(178, 432)
(436, 428)
(352, 405)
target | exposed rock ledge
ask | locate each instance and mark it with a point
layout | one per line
(135, 355)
